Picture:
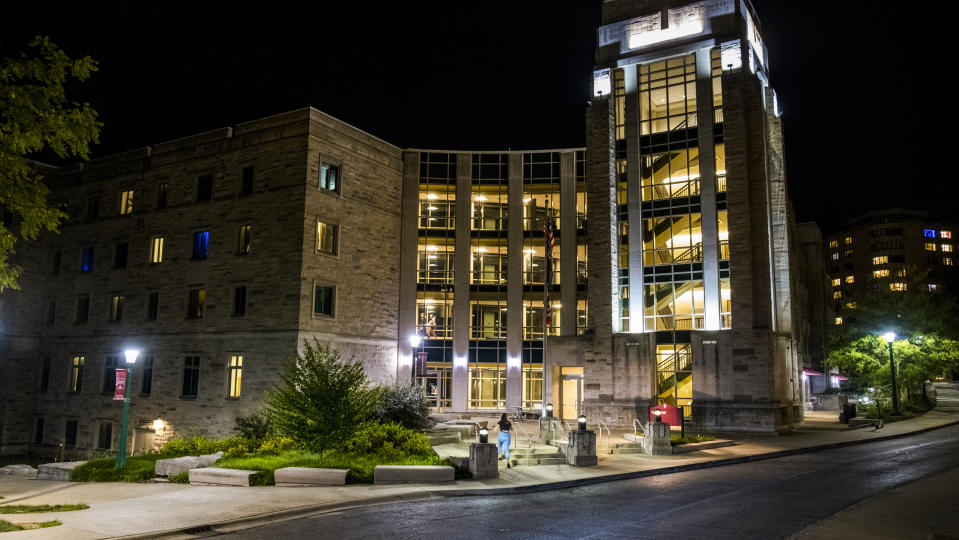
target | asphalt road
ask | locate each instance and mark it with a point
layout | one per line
(904, 488)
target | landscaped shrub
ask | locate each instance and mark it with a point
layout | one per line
(404, 404)
(198, 445)
(375, 438)
(322, 400)
(254, 427)
(136, 469)
(276, 444)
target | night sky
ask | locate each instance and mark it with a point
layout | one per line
(861, 83)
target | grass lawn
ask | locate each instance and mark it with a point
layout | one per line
(137, 469)
(360, 465)
(676, 440)
(6, 526)
(40, 508)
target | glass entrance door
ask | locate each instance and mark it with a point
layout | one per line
(571, 392)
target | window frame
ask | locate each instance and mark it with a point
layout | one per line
(125, 202)
(245, 189)
(234, 379)
(75, 380)
(155, 255)
(193, 371)
(86, 268)
(163, 195)
(153, 307)
(146, 380)
(194, 252)
(336, 239)
(201, 193)
(244, 239)
(327, 160)
(333, 298)
(241, 312)
(116, 307)
(198, 309)
(100, 433)
(83, 300)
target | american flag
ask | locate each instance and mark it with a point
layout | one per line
(548, 234)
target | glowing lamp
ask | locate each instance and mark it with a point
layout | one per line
(484, 435)
(549, 410)
(658, 413)
(415, 340)
(157, 424)
(889, 337)
(582, 422)
(131, 355)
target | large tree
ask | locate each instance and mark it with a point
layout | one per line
(36, 117)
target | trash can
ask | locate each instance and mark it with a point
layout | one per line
(848, 411)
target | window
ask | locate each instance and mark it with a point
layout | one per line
(116, 308)
(850, 279)
(884, 273)
(847, 240)
(55, 264)
(244, 239)
(110, 365)
(836, 282)
(929, 233)
(76, 374)
(236, 376)
(326, 238)
(162, 190)
(83, 308)
(323, 298)
(329, 177)
(70, 434)
(239, 301)
(932, 286)
(246, 184)
(901, 272)
(38, 431)
(105, 437)
(196, 304)
(86, 259)
(120, 252)
(153, 305)
(947, 248)
(834, 244)
(897, 286)
(156, 249)
(146, 385)
(945, 234)
(51, 312)
(838, 320)
(93, 208)
(204, 188)
(947, 261)
(847, 253)
(126, 202)
(201, 245)
(835, 256)
(837, 294)
(884, 259)
(930, 246)
(191, 376)
(45, 374)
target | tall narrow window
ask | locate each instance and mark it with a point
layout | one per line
(323, 298)
(86, 259)
(191, 376)
(196, 303)
(244, 239)
(156, 249)
(236, 375)
(45, 374)
(93, 208)
(246, 184)
(329, 177)
(326, 237)
(110, 365)
(120, 253)
(204, 188)
(76, 374)
(126, 202)
(70, 434)
(162, 190)
(83, 308)
(239, 301)
(116, 308)
(201, 245)
(38, 431)
(146, 385)
(153, 305)
(105, 437)
(51, 312)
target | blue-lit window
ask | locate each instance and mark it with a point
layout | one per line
(86, 262)
(930, 233)
(201, 244)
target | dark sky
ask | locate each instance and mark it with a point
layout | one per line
(863, 99)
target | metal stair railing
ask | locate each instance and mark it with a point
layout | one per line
(637, 427)
(557, 423)
(529, 440)
(601, 426)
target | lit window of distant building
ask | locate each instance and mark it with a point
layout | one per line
(945, 234)
(929, 233)
(834, 244)
(329, 177)
(898, 286)
(847, 240)
(932, 286)
(880, 260)
(838, 320)
(851, 305)
(126, 202)
(847, 253)
(880, 273)
(116, 308)
(947, 261)
(326, 237)
(850, 279)
(837, 294)
(244, 239)
(156, 249)
(930, 246)
(947, 248)
(196, 303)
(201, 245)
(836, 282)
(236, 376)
(901, 272)
(86, 259)
(835, 256)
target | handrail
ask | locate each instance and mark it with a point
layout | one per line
(601, 426)
(637, 427)
(529, 440)
(556, 422)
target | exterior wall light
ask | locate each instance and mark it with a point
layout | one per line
(484, 435)
(157, 424)
(415, 340)
(549, 410)
(582, 422)
(658, 413)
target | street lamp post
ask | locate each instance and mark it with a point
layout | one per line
(415, 340)
(131, 356)
(890, 337)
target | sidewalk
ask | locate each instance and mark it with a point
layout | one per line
(166, 510)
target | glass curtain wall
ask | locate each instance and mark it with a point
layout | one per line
(581, 261)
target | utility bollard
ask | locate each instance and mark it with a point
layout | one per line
(483, 461)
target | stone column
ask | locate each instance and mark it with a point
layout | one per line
(567, 243)
(483, 461)
(707, 182)
(581, 451)
(514, 283)
(656, 441)
(461, 283)
(408, 254)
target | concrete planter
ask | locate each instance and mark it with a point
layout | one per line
(692, 447)
(213, 476)
(413, 474)
(307, 476)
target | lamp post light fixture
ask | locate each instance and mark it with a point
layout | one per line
(582, 422)
(415, 340)
(549, 410)
(131, 356)
(658, 413)
(484, 435)
(890, 337)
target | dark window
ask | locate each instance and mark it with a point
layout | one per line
(239, 301)
(899, 258)
(834, 269)
(153, 305)
(146, 386)
(847, 266)
(162, 195)
(83, 308)
(323, 300)
(201, 245)
(105, 439)
(86, 260)
(45, 374)
(246, 185)
(204, 188)
(70, 434)
(120, 255)
(110, 374)
(93, 208)
(38, 431)
(196, 303)
(329, 177)
(116, 308)
(191, 376)
(55, 266)
(51, 312)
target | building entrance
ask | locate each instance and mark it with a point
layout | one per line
(571, 392)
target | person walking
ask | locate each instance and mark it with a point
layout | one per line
(504, 437)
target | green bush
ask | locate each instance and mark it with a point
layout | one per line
(198, 445)
(406, 405)
(376, 438)
(322, 400)
(180, 478)
(254, 427)
(276, 444)
(137, 469)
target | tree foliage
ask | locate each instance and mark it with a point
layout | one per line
(322, 399)
(36, 115)
(405, 405)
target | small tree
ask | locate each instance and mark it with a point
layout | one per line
(406, 405)
(322, 400)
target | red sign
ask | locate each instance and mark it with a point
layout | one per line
(671, 414)
(421, 364)
(121, 386)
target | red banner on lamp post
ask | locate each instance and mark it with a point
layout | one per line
(119, 390)
(421, 363)
(670, 414)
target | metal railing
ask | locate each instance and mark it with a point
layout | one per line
(517, 424)
(600, 425)
(555, 423)
(637, 427)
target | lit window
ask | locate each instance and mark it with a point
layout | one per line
(838, 320)
(323, 298)
(851, 305)
(126, 202)
(947, 261)
(837, 294)
(191, 376)
(196, 304)
(930, 246)
(86, 260)
(929, 233)
(847, 240)
(932, 286)
(880, 260)
(947, 248)
(834, 244)
(76, 374)
(835, 256)
(836, 282)
(156, 249)
(898, 286)
(945, 234)
(901, 272)
(201, 245)
(236, 375)
(847, 253)
(850, 279)
(244, 239)
(884, 273)
(326, 237)
(116, 308)
(329, 177)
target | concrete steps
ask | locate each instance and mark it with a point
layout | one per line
(537, 455)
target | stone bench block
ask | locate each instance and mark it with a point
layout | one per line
(166, 467)
(57, 471)
(413, 474)
(692, 447)
(214, 476)
(307, 476)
